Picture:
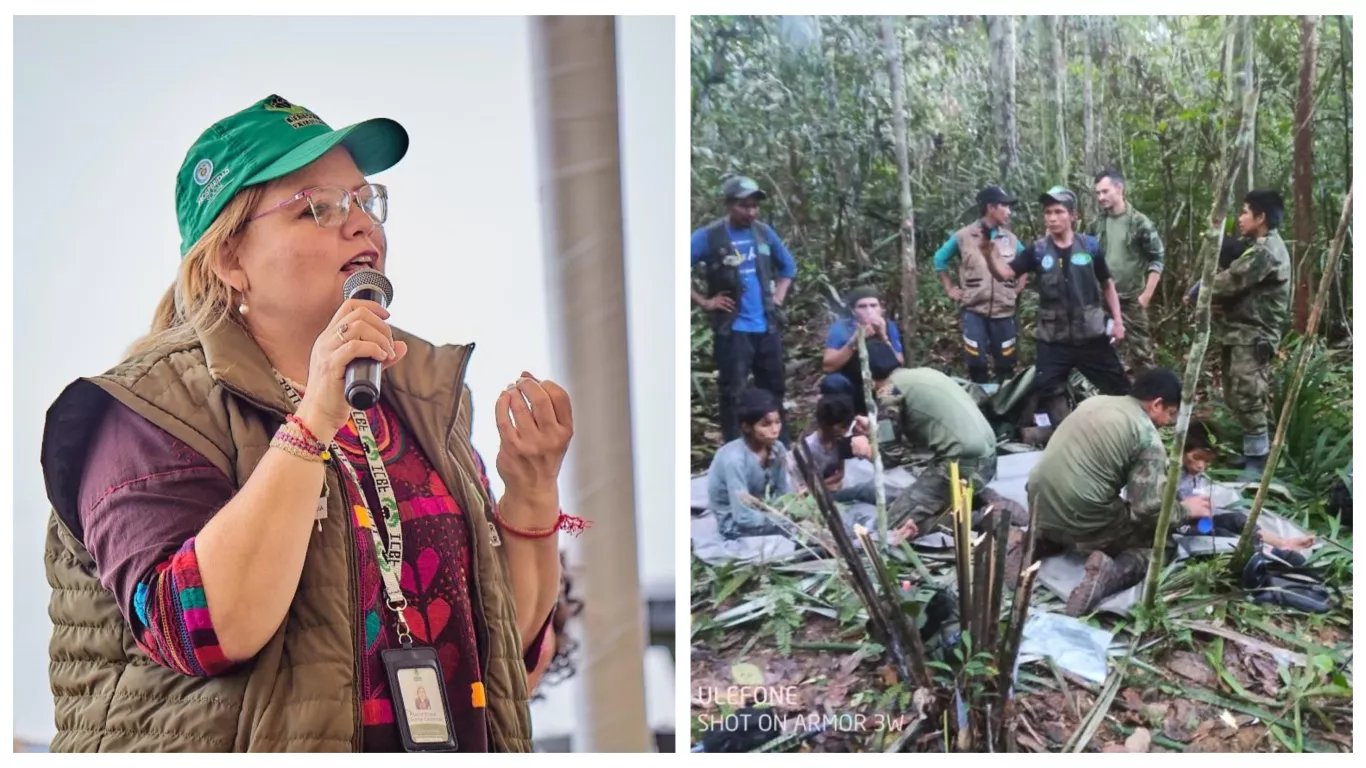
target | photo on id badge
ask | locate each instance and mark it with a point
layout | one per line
(423, 708)
(946, 276)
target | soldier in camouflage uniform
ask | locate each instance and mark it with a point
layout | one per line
(1109, 443)
(1134, 253)
(1251, 300)
(931, 411)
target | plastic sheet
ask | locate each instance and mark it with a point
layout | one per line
(1073, 645)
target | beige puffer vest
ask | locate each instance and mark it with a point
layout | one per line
(217, 394)
(983, 293)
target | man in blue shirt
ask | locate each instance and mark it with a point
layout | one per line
(747, 274)
(987, 304)
(843, 371)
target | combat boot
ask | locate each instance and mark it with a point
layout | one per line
(1105, 576)
(1019, 515)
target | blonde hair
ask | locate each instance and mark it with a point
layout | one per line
(199, 300)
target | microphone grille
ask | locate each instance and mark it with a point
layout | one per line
(372, 279)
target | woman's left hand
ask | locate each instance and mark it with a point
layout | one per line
(533, 441)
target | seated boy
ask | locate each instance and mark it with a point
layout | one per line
(754, 465)
(1197, 455)
(840, 435)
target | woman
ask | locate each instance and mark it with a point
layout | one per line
(231, 548)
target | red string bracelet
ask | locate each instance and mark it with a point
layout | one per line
(298, 422)
(567, 523)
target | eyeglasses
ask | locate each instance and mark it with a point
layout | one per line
(331, 206)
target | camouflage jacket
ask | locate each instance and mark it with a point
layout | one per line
(1140, 253)
(1252, 297)
(1107, 444)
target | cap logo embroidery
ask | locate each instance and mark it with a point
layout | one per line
(202, 171)
(296, 116)
(213, 187)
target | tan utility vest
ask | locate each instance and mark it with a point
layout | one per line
(217, 394)
(983, 293)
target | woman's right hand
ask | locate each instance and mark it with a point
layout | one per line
(358, 330)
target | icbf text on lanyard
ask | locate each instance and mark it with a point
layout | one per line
(391, 557)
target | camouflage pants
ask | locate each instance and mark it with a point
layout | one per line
(1123, 535)
(1137, 347)
(931, 493)
(1247, 389)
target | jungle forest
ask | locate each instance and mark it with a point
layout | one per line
(871, 138)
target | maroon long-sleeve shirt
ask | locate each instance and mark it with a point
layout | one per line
(145, 495)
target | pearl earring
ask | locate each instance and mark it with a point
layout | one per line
(242, 308)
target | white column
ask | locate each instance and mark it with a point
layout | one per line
(575, 82)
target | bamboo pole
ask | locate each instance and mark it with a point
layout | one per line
(878, 488)
(962, 547)
(1195, 362)
(1009, 648)
(863, 586)
(910, 636)
(1000, 547)
(1243, 552)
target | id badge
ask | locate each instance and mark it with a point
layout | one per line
(419, 693)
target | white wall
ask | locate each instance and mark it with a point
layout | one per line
(104, 112)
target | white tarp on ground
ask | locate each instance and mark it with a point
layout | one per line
(1060, 574)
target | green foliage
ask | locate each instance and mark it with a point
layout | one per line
(1318, 439)
(802, 105)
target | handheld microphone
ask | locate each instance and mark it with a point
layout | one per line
(363, 373)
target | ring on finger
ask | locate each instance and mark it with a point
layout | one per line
(341, 332)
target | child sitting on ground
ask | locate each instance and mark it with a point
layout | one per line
(1197, 456)
(839, 435)
(753, 466)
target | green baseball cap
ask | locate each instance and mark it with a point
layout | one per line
(1061, 195)
(269, 139)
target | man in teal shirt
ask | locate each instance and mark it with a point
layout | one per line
(987, 304)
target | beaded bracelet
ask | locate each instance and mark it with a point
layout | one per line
(295, 439)
(567, 523)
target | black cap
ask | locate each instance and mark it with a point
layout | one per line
(994, 194)
(1059, 195)
(860, 293)
(741, 187)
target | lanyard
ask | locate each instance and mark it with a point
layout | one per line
(390, 558)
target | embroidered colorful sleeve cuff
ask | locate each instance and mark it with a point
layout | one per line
(175, 627)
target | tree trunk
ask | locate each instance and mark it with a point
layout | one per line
(1100, 40)
(1090, 117)
(1304, 169)
(1346, 95)
(1060, 170)
(1001, 33)
(892, 47)
(1242, 75)
(1230, 166)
